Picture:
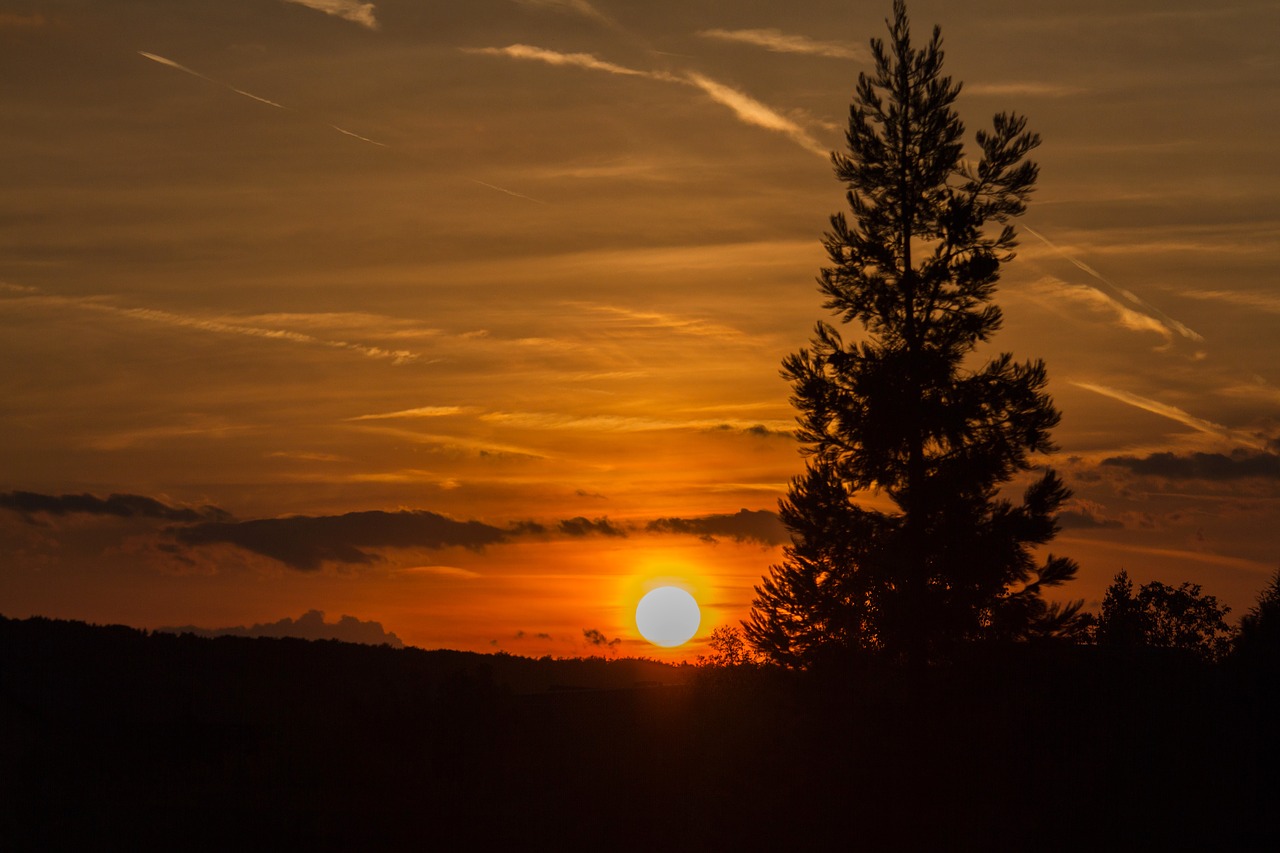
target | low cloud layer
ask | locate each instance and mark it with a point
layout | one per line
(596, 637)
(117, 505)
(745, 525)
(308, 626)
(1239, 465)
(306, 542)
(581, 526)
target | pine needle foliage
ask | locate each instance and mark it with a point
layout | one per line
(905, 407)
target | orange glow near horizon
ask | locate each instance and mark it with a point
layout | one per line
(458, 344)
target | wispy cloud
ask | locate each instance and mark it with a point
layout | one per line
(1132, 298)
(780, 42)
(577, 60)
(746, 108)
(1023, 89)
(1056, 291)
(305, 456)
(212, 325)
(622, 423)
(348, 10)
(169, 62)
(667, 322)
(581, 8)
(1268, 302)
(751, 111)
(169, 318)
(441, 571)
(452, 443)
(1173, 413)
(420, 412)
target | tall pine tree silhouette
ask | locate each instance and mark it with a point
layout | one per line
(909, 410)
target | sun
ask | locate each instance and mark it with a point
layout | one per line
(668, 616)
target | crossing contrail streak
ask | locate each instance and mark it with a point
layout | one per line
(169, 62)
(1170, 323)
(180, 67)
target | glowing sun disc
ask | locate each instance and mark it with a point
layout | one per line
(668, 616)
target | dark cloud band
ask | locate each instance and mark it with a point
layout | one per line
(120, 506)
(1202, 466)
(306, 542)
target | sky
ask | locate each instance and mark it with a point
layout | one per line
(466, 319)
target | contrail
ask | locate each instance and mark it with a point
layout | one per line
(169, 62)
(1173, 413)
(358, 136)
(508, 192)
(1133, 298)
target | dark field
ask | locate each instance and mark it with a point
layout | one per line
(115, 739)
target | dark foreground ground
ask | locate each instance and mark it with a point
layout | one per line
(113, 739)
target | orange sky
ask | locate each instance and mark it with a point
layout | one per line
(432, 313)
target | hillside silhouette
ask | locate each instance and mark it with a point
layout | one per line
(115, 738)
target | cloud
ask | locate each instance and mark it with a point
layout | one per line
(222, 327)
(581, 8)
(1268, 302)
(1173, 413)
(1023, 89)
(577, 60)
(751, 111)
(307, 542)
(780, 42)
(1239, 465)
(669, 322)
(758, 430)
(218, 326)
(348, 10)
(618, 423)
(1086, 518)
(307, 456)
(581, 526)
(442, 571)
(1098, 302)
(420, 412)
(1169, 323)
(595, 637)
(747, 109)
(745, 525)
(308, 626)
(117, 505)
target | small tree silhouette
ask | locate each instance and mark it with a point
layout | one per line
(1164, 617)
(1259, 638)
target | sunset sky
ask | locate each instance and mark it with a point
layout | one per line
(466, 318)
